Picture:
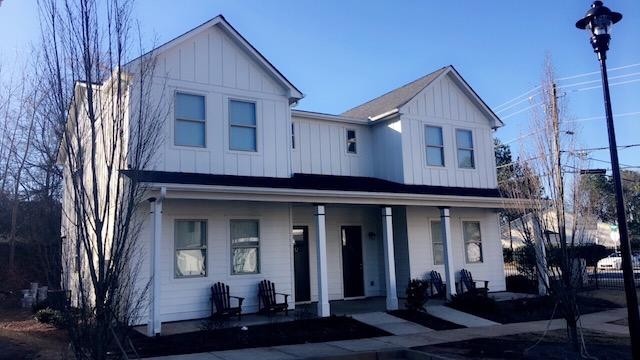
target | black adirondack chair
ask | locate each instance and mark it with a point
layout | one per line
(438, 288)
(469, 284)
(267, 301)
(221, 302)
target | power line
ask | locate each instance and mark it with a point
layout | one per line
(597, 81)
(602, 148)
(602, 117)
(520, 111)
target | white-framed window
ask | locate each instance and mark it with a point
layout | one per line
(242, 125)
(436, 242)
(190, 241)
(472, 241)
(464, 143)
(190, 120)
(434, 145)
(245, 247)
(293, 135)
(351, 142)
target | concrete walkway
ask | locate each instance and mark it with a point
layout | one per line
(390, 323)
(458, 317)
(394, 342)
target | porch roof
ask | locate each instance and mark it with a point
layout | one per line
(306, 182)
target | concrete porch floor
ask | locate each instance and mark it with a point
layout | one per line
(301, 311)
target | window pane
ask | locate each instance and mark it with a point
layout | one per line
(242, 113)
(435, 156)
(351, 134)
(242, 138)
(438, 254)
(351, 147)
(190, 234)
(243, 231)
(190, 106)
(434, 135)
(189, 133)
(474, 252)
(464, 139)
(435, 232)
(191, 263)
(245, 260)
(471, 231)
(465, 159)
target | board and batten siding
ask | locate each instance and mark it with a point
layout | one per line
(444, 104)
(190, 298)
(211, 64)
(321, 148)
(387, 150)
(421, 246)
(336, 216)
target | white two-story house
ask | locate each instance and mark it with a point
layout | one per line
(328, 206)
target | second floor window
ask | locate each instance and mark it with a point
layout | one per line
(190, 120)
(293, 136)
(351, 142)
(464, 142)
(435, 146)
(242, 126)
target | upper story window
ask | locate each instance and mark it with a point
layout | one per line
(293, 136)
(242, 125)
(464, 142)
(351, 141)
(472, 241)
(190, 120)
(190, 248)
(435, 145)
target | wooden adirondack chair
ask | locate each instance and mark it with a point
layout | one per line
(467, 282)
(267, 302)
(437, 286)
(221, 302)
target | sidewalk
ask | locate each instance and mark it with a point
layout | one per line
(597, 321)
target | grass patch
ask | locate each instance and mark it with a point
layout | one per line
(425, 319)
(529, 309)
(285, 333)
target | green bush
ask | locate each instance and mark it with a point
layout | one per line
(417, 294)
(51, 317)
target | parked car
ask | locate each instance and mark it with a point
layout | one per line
(614, 262)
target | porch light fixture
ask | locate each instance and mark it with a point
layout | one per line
(599, 21)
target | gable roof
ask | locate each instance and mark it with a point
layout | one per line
(293, 92)
(391, 102)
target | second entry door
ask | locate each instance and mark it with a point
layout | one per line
(352, 267)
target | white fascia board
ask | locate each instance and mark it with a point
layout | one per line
(217, 192)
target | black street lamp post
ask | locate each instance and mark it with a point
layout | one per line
(598, 21)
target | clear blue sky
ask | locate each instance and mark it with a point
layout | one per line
(342, 53)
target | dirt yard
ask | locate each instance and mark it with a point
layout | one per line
(22, 337)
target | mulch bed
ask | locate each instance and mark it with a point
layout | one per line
(531, 309)
(286, 333)
(553, 346)
(425, 319)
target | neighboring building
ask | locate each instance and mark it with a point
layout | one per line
(327, 206)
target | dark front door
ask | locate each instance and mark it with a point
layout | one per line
(352, 275)
(301, 262)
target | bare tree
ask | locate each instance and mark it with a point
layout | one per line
(553, 207)
(110, 111)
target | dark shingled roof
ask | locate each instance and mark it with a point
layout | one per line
(305, 181)
(394, 98)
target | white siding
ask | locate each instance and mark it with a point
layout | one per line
(212, 65)
(444, 104)
(337, 216)
(387, 150)
(321, 148)
(189, 298)
(421, 249)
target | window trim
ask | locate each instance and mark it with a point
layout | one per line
(427, 146)
(351, 141)
(230, 125)
(464, 241)
(176, 119)
(472, 149)
(433, 253)
(232, 247)
(205, 247)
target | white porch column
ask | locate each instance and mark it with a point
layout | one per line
(445, 234)
(389, 258)
(321, 244)
(154, 326)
